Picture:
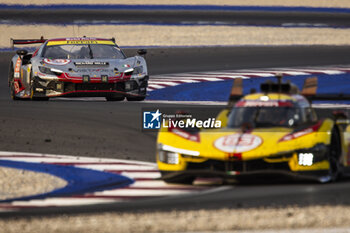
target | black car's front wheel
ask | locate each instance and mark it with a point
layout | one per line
(34, 95)
(10, 75)
(115, 98)
(13, 92)
(136, 98)
(11, 83)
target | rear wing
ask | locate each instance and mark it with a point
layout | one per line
(236, 92)
(310, 87)
(26, 41)
(310, 92)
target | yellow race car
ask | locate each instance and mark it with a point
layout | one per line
(275, 132)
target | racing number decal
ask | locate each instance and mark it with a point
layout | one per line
(18, 68)
(237, 143)
(57, 62)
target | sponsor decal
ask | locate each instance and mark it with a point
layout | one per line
(90, 63)
(57, 62)
(237, 143)
(186, 135)
(81, 38)
(177, 121)
(16, 85)
(259, 103)
(82, 42)
(191, 123)
(77, 42)
(151, 120)
(17, 73)
(298, 134)
(91, 70)
(126, 65)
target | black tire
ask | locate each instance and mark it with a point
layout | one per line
(119, 98)
(334, 155)
(11, 83)
(11, 74)
(136, 98)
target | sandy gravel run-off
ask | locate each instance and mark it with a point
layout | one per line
(190, 221)
(312, 3)
(19, 183)
(140, 35)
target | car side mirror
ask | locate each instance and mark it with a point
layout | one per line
(142, 52)
(340, 117)
(22, 52)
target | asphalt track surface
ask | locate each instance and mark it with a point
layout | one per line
(113, 129)
(176, 17)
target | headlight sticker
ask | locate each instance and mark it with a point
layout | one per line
(58, 62)
(138, 70)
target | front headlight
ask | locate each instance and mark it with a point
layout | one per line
(129, 71)
(168, 157)
(171, 155)
(138, 70)
(47, 70)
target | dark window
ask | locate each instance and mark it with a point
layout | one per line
(91, 51)
(270, 116)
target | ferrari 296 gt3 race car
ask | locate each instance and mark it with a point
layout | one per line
(272, 133)
(75, 67)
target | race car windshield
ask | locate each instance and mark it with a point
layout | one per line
(90, 51)
(266, 117)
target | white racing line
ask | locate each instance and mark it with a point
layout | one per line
(145, 175)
